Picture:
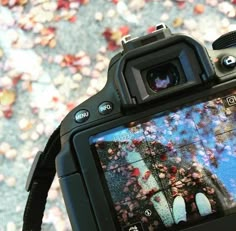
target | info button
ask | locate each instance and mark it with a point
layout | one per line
(105, 108)
(81, 116)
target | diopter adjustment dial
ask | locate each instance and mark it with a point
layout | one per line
(225, 41)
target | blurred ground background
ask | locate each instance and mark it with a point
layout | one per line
(53, 56)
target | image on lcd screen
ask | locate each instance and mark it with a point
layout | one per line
(174, 170)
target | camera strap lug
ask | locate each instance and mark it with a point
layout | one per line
(39, 181)
(34, 169)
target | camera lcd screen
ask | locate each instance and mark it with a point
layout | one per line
(174, 169)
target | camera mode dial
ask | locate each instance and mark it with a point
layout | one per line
(225, 41)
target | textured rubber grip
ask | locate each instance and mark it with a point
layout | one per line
(225, 41)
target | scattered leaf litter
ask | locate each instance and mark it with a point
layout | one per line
(34, 99)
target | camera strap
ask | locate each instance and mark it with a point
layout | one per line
(39, 182)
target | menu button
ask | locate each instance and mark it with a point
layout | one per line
(82, 115)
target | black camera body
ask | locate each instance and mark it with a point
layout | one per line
(150, 150)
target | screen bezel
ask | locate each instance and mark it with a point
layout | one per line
(92, 173)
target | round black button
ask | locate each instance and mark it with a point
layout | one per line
(105, 108)
(81, 116)
(229, 61)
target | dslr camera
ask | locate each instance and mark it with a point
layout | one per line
(155, 149)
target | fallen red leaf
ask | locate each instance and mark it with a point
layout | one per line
(135, 172)
(8, 113)
(151, 29)
(163, 157)
(70, 106)
(73, 19)
(63, 4)
(55, 99)
(136, 142)
(107, 33)
(112, 46)
(146, 175)
(173, 169)
(151, 192)
(124, 30)
(83, 2)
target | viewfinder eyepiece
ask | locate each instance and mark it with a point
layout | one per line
(162, 77)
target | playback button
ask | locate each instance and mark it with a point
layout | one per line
(105, 108)
(82, 115)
